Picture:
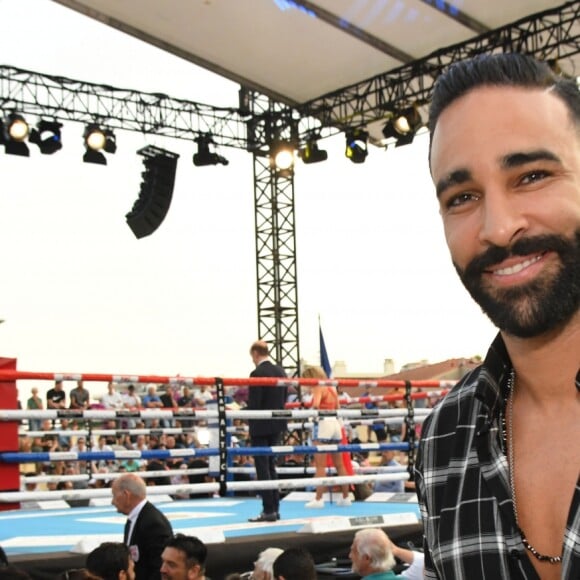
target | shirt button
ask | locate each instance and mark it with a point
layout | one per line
(514, 554)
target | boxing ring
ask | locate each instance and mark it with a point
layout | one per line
(49, 536)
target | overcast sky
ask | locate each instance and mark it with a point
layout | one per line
(81, 294)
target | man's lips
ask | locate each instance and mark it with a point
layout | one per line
(514, 266)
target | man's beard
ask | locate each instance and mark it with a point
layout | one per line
(531, 309)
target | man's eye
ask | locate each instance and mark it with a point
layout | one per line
(459, 199)
(534, 176)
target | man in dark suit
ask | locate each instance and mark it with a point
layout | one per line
(266, 432)
(147, 530)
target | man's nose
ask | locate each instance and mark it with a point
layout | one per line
(502, 218)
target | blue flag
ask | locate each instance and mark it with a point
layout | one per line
(324, 362)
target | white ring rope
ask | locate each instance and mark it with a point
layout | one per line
(185, 430)
(105, 414)
(109, 475)
(281, 470)
(233, 486)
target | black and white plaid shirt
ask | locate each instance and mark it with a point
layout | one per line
(463, 485)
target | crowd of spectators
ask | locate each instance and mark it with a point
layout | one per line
(184, 557)
(77, 435)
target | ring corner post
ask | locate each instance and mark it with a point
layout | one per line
(9, 472)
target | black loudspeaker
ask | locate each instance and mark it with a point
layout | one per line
(152, 205)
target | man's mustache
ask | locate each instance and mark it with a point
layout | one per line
(522, 247)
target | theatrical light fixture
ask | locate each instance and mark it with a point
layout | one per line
(403, 126)
(204, 156)
(356, 145)
(47, 136)
(13, 135)
(310, 153)
(282, 156)
(17, 127)
(407, 121)
(97, 140)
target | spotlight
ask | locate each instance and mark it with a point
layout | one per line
(47, 136)
(97, 140)
(310, 153)
(204, 156)
(13, 135)
(402, 126)
(407, 121)
(356, 145)
(17, 128)
(282, 157)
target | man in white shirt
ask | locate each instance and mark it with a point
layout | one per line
(112, 399)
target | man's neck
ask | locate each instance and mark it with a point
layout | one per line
(546, 366)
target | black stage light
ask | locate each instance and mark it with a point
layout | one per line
(47, 136)
(13, 135)
(403, 126)
(356, 145)
(204, 156)
(310, 153)
(407, 121)
(96, 140)
(152, 205)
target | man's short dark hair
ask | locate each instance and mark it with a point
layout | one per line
(294, 564)
(260, 347)
(108, 559)
(505, 69)
(194, 549)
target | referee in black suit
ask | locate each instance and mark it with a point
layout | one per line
(147, 530)
(266, 432)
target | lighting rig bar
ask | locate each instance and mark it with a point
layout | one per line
(65, 99)
(553, 35)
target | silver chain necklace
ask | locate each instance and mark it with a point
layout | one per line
(508, 441)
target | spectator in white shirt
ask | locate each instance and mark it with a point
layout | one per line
(112, 399)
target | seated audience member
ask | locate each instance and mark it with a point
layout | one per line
(388, 460)
(263, 566)
(152, 400)
(111, 561)
(112, 399)
(186, 401)
(202, 396)
(184, 559)
(79, 397)
(414, 559)
(373, 556)
(34, 403)
(56, 397)
(294, 564)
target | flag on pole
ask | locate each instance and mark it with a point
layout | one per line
(324, 362)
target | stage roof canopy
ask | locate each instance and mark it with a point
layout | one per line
(295, 51)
